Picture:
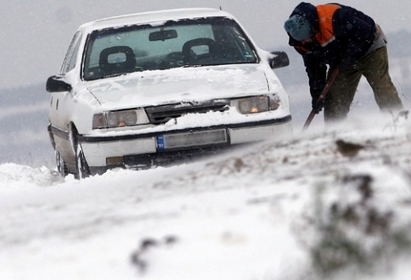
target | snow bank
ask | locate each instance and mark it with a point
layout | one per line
(273, 210)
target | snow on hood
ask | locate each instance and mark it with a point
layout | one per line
(179, 84)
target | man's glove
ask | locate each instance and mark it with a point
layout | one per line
(317, 105)
(315, 94)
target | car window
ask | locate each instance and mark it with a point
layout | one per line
(209, 41)
(70, 60)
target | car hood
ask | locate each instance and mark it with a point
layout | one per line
(178, 85)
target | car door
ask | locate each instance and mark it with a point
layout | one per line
(61, 102)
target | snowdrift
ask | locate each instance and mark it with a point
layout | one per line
(297, 209)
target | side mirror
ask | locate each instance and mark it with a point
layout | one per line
(56, 84)
(279, 60)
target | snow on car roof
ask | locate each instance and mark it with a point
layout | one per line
(154, 17)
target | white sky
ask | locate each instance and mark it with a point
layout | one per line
(36, 34)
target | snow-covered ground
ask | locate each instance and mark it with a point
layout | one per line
(290, 210)
(295, 209)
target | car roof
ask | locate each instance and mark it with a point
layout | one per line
(155, 17)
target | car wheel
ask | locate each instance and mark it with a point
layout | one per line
(60, 164)
(82, 168)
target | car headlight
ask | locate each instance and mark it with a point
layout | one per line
(113, 119)
(256, 104)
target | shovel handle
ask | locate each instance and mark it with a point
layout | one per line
(322, 96)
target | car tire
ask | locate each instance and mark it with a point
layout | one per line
(60, 164)
(82, 169)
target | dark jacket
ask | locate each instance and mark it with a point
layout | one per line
(343, 36)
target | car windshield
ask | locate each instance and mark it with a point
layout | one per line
(197, 42)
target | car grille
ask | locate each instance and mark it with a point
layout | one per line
(164, 113)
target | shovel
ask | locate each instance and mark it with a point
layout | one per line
(322, 96)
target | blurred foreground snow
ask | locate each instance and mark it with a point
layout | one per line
(296, 209)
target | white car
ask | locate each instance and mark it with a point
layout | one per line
(138, 89)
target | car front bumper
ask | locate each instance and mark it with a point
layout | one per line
(103, 152)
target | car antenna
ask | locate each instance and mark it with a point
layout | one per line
(221, 8)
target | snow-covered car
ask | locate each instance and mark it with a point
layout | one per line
(137, 89)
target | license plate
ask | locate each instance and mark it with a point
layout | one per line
(191, 139)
